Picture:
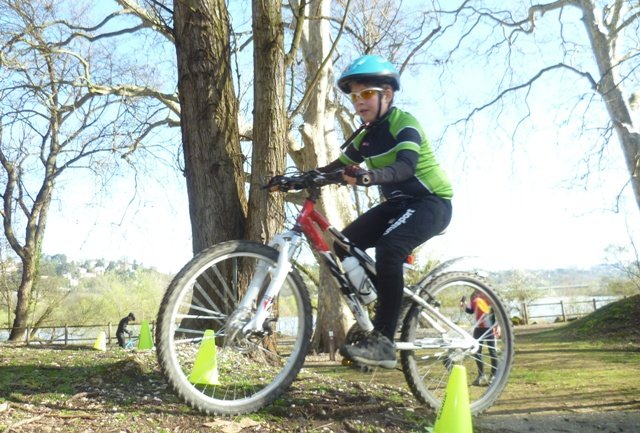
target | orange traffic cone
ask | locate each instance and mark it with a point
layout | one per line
(205, 367)
(455, 414)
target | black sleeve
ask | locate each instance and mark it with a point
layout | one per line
(333, 166)
(353, 154)
(403, 169)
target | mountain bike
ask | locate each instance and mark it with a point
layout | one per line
(252, 299)
(131, 343)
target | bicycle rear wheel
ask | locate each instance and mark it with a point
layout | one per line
(427, 370)
(209, 361)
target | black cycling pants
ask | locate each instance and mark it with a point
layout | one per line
(485, 335)
(395, 228)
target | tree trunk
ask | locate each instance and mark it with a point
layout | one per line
(320, 148)
(269, 120)
(24, 296)
(609, 87)
(36, 222)
(209, 113)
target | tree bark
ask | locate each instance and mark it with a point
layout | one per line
(269, 120)
(609, 86)
(22, 305)
(320, 148)
(209, 112)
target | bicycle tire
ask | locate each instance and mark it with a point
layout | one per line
(427, 370)
(250, 371)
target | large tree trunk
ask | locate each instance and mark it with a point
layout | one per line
(209, 113)
(609, 87)
(320, 148)
(269, 120)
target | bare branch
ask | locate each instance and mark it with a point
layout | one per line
(147, 18)
(631, 19)
(527, 84)
(169, 100)
(311, 87)
(418, 47)
(93, 38)
(297, 35)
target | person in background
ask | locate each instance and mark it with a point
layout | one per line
(123, 329)
(483, 331)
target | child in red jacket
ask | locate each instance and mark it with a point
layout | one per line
(484, 331)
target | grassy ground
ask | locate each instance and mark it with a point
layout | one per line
(591, 365)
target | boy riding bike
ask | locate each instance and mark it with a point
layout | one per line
(252, 297)
(418, 194)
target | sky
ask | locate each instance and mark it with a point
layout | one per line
(512, 214)
(519, 203)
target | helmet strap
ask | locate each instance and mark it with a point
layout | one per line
(354, 135)
(379, 115)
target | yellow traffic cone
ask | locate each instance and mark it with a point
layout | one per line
(145, 341)
(101, 342)
(455, 414)
(205, 368)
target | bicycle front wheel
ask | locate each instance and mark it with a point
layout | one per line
(427, 369)
(210, 361)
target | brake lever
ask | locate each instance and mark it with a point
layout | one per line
(334, 177)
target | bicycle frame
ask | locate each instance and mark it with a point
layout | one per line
(313, 224)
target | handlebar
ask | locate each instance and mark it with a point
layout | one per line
(309, 180)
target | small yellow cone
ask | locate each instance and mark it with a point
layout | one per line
(145, 341)
(455, 414)
(205, 368)
(101, 342)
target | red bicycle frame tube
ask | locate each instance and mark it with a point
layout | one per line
(308, 216)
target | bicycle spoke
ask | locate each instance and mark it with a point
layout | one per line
(427, 369)
(229, 370)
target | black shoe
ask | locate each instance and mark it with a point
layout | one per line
(374, 349)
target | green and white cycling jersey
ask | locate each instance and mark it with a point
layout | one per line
(398, 133)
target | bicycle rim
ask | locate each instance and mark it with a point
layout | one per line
(207, 366)
(427, 370)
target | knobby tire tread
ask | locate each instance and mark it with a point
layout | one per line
(164, 328)
(413, 379)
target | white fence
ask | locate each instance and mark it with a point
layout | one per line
(564, 309)
(71, 334)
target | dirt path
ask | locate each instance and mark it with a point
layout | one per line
(592, 422)
(81, 390)
(570, 411)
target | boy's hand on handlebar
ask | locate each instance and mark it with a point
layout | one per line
(354, 175)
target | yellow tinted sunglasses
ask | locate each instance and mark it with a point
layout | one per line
(365, 94)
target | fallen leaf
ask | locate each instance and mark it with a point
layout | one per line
(232, 426)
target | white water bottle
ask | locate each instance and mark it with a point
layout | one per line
(359, 279)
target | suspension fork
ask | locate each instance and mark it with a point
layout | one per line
(286, 243)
